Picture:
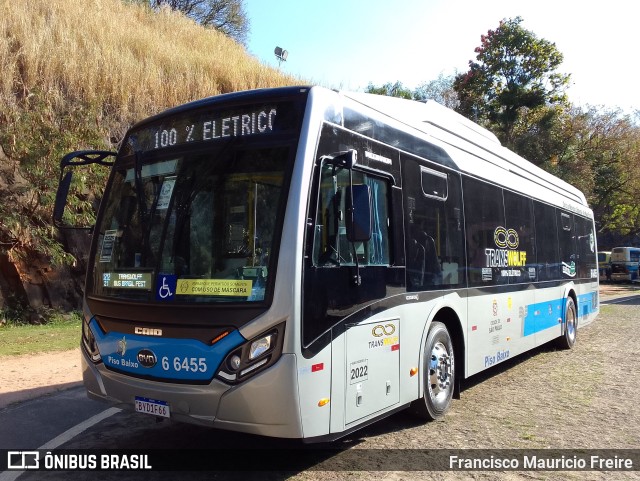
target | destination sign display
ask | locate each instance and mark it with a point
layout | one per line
(127, 280)
(248, 123)
(201, 125)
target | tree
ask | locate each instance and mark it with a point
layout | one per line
(514, 72)
(441, 90)
(539, 135)
(390, 90)
(226, 16)
(608, 142)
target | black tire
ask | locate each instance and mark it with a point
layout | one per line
(569, 326)
(438, 374)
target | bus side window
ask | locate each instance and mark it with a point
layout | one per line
(519, 222)
(546, 242)
(434, 244)
(484, 216)
(331, 246)
(567, 244)
(586, 248)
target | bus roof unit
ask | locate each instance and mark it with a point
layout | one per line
(446, 125)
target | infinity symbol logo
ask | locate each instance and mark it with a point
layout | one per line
(386, 330)
(506, 238)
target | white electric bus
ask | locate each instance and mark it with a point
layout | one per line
(300, 262)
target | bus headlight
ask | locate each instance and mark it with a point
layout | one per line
(89, 342)
(260, 346)
(253, 356)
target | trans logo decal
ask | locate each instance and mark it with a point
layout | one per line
(506, 256)
(163, 358)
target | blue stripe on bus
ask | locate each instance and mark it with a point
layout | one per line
(545, 315)
(587, 304)
(175, 359)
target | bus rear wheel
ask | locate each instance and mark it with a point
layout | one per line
(570, 326)
(439, 374)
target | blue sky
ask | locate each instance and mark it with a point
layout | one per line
(349, 43)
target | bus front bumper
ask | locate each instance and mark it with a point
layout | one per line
(266, 404)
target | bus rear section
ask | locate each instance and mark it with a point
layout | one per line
(624, 264)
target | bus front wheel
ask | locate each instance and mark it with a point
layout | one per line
(438, 374)
(570, 326)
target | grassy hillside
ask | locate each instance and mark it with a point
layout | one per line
(123, 57)
(76, 74)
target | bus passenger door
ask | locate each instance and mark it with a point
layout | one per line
(345, 274)
(353, 265)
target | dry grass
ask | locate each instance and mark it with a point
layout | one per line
(128, 59)
(75, 74)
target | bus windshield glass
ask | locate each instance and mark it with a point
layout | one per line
(197, 223)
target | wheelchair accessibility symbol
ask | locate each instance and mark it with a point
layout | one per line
(165, 287)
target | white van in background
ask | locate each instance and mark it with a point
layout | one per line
(624, 263)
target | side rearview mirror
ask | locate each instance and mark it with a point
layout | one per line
(359, 215)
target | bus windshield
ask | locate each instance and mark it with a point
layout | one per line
(195, 227)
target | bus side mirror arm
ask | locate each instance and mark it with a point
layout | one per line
(345, 159)
(61, 198)
(68, 162)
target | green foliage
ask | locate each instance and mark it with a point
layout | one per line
(440, 90)
(514, 90)
(14, 312)
(598, 151)
(624, 218)
(39, 135)
(514, 72)
(390, 90)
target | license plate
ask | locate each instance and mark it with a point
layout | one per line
(152, 406)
